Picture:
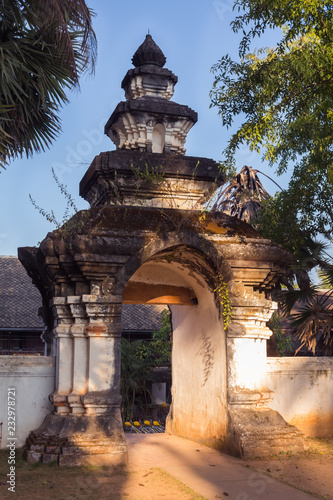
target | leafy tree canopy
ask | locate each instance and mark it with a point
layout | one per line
(45, 45)
(285, 96)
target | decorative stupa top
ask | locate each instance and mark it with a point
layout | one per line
(148, 120)
(149, 131)
(149, 53)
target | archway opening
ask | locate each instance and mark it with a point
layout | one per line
(183, 279)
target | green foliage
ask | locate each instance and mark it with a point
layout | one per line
(308, 17)
(278, 220)
(70, 205)
(138, 360)
(283, 340)
(45, 45)
(324, 280)
(223, 295)
(312, 323)
(136, 372)
(160, 343)
(285, 97)
(72, 220)
(158, 349)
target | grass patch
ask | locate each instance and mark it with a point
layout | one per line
(178, 484)
(39, 482)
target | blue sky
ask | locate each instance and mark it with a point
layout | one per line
(193, 34)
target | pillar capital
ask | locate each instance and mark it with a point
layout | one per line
(251, 312)
(61, 309)
(79, 314)
(104, 314)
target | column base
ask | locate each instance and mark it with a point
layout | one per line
(79, 440)
(259, 432)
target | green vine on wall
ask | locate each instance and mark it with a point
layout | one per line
(223, 294)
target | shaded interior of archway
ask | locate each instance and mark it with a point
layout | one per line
(167, 278)
(142, 289)
(182, 278)
(158, 284)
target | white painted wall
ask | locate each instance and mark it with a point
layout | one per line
(199, 390)
(303, 392)
(248, 366)
(32, 377)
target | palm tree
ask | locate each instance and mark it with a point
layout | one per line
(312, 323)
(312, 320)
(243, 196)
(46, 45)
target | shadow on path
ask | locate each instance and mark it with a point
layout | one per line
(205, 470)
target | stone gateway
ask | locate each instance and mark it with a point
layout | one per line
(148, 239)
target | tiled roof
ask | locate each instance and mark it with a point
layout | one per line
(20, 300)
(142, 317)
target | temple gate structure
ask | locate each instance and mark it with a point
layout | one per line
(147, 238)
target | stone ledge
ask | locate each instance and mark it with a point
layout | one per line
(79, 440)
(261, 432)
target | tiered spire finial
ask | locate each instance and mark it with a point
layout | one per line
(148, 120)
(149, 53)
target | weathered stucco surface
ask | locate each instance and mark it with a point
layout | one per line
(302, 386)
(303, 392)
(32, 377)
(115, 249)
(199, 409)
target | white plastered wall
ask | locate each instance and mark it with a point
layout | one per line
(32, 377)
(303, 392)
(199, 394)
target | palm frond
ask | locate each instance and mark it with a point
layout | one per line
(312, 322)
(243, 196)
(45, 46)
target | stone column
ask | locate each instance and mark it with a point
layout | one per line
(80, 355)
(104, 335)
(86, 426)
(246, 347)
(64, 355)
(254, 429)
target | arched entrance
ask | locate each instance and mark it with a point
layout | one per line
(147, 235)
(219, 392)
(183, 278)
